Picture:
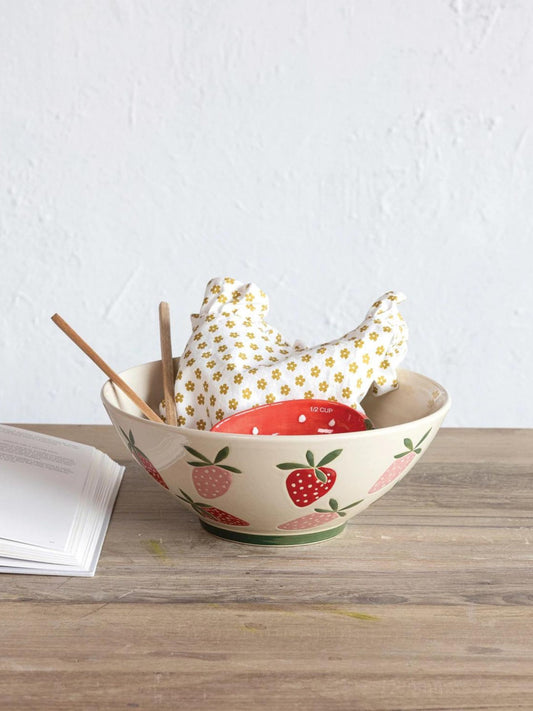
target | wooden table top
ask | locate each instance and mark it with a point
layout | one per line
(425, 602)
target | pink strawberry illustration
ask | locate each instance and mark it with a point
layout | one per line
(318, 517)
(211, 512)
(308, 482)
(211, 479)
(142, 459)
(402, 461)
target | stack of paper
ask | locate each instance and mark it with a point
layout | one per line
(56, 499)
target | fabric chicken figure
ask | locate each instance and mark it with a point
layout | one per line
(235, 359)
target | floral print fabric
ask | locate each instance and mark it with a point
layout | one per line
(235, 359)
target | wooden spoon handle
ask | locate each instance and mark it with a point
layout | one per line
(167, 363)
(114, 377)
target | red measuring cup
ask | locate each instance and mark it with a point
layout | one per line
(295, 417)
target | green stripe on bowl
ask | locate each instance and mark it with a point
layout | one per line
(258, 539)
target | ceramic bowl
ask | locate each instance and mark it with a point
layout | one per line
(284, 490)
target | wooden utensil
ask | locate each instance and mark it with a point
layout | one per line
(114, 377)
(167, 363)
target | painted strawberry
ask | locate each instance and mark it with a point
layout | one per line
(307, 483)
(211, 479)
(211, 512)
(142, 458)
(318, 517)
(402, 461)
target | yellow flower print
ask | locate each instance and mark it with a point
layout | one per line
(189, 385)
(219, 414)
(392, 297)
(234, 334)
(330, 362)
(323, 386)
(279, 339)
(250, 306)
(345, 353)
(229, 280)
(358, 343)
(387, 329)
(394, 383)
(217, 339)
(366, 358)
(181, 421)
(380, 350)
(373, 336)
(254, 346)
(283, 351)
(339, 377)
(252, 371)
(269, 349)
(210, 364)
(363, 328)
(238, 379)
(381, 380)
(216, 289)
(197, 336)
(321, 350)
(273, 359)
(233, 404)
(200, 399)
(247, 322)
(205, 301)
(210, 317)
(276, 374)
(250, 335)
(230, 324)
(306, 357)
(299, 380)
(190, 362)
(179, 397)
(236, 295)
(353, 367)
(206, 387)
(346, 392)
(217, 376)
(224, 388)
(315, 371)
(359, 382)
(249, 297)
(230, 366)
(222, 298)
(179, 376)
(239, 344)
(200, 425)
(308, 395)
(369, 372)
(376, 304)
(377, 321)
(202, 345)
(198, 373)
(384, 364)
(247, 393)
(258, 357)
(261, 383)
(243, 356)
(187, 354)
(332, 399)
(270, 398)
(221, 349)
(213, 328)
(291, 365)
(189, 410)
(285, 390)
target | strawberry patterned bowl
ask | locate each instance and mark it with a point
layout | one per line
(279, 490)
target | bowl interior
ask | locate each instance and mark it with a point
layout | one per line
(417, 396)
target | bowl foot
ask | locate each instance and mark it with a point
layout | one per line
(259, 539)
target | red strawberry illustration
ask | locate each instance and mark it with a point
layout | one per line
(319, 517)
(142, 458)
(402, 461)
(211, 512)
(308, 482)
(211, 479)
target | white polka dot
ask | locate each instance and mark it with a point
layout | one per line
(255, 430)
(302, 418)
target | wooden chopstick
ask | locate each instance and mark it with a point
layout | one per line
(114, 377)
(167, 363)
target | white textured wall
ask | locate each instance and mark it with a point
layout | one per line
(328, 150)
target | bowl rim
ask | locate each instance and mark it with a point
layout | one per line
(338, 437)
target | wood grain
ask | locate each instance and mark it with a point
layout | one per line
(426, 602)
